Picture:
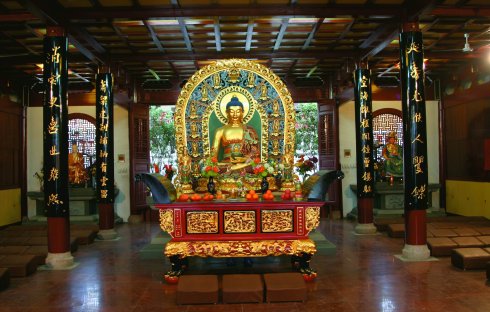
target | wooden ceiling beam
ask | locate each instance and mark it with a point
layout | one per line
(312, 33)
(154, 37)
(480, 11)
(47, 12)
(335, 10)
(217, 35)
(280, 35)
(250, 31)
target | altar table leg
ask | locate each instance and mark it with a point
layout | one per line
(302, 264)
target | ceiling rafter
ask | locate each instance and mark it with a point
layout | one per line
(217, 34)
(280, 35)
(154, 37)
(250, 31)
(47, 13)
(312, 33)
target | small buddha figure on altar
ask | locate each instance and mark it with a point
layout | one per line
(186, 168)
(275, 108)
(204, 94)
(77, 174)
(238, 141)
(393, 155)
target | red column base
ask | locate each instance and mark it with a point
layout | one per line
(416, 227)
(58, 234)
(365, 210)
(106, 216)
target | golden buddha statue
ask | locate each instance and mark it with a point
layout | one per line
(77, 174)
(238, 141)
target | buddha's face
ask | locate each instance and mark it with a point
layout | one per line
(235, 114)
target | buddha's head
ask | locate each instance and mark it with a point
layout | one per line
(234, 111)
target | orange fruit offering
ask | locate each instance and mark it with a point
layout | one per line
(255, 196)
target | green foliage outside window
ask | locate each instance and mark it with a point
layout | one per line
(162, 136)
(306, 129)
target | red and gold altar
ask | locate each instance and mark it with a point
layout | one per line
(236, 190)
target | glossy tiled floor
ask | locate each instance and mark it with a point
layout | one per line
(363, 275)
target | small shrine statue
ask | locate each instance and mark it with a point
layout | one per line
(393, 155)
(77, 174)
(238, 141)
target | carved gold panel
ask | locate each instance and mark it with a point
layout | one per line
(312, 218)
(167, 220)
(260, 248)
(239, 221)
(277, 221)
(202, 222)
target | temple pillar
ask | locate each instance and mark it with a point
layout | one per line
(364, 152)
(105, 154)
(415, 143)
(55, 148)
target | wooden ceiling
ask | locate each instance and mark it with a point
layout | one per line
(150, 40)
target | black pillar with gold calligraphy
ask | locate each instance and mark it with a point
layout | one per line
(415, 142)
(364, 151)
(105, 152)
(55, 151)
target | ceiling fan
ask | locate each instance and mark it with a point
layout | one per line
(466, 49)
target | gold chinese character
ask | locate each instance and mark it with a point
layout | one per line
(53, 199)
(104, 127)
(367, 176)
(52, 80)
(365, 136)
(53, 174)
(366, 149)
(103, 140)
(417, 139)
(366, 162)
(364, 96)
(415, 72)
(103, 99)
(103, 167)
(417, 162)
(52, 102)
(103, 86)
(103, 154)
(55, 57)
(103, 181)
(103, 193)
(367, 189)
(417, 97)
(417, 117)
(364, 109)
(365, 123)
(102, 114)
(53, 151)
(363, 82)
(413, 47)
(53, 126)
(419, 192)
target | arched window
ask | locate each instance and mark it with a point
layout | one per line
(81, 130)
(384, 121)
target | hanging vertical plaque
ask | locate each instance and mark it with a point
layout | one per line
(364, 133)
(414, 130)
(55, 127)
(105, 138)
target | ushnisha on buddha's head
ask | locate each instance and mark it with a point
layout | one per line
(234, 111)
